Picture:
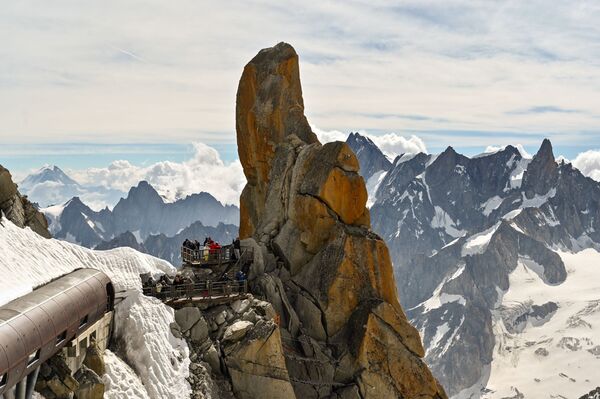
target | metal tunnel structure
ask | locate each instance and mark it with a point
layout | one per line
(35, 327)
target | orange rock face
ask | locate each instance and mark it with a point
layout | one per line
(327, 275)
(269, 108)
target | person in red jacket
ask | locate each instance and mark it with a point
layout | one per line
(214, 249)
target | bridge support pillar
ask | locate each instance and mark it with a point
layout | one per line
(24, 388)
(31, 380)
(21, 388)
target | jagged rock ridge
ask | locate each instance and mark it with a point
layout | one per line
(143, 212)
(327, 275)
(459, 229)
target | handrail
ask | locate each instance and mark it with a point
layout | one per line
(207, 256)
(203, 289)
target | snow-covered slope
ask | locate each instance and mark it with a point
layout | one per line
(557, 354)
(160, 360)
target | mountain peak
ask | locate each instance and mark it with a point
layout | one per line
(143, 192)
(545, 150)
(371, 159)
(542, 172)
(47, 173)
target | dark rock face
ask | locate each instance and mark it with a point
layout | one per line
(457, 227)
(328, 277)
(595, 394)
(142, 213)
(541, 173)
(17, 208)
(370, 157)
(126, 239)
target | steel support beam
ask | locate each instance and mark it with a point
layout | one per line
(31, 380)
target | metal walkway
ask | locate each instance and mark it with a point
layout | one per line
(210, 292)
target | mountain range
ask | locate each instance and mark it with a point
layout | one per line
(144, 221)
(496, 260)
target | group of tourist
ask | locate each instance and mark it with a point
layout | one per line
(210, 248)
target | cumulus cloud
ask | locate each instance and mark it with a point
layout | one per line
(588, 163)
(391, 144)
(205, 171)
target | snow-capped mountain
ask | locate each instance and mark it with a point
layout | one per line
(143, 213)
(496, 260)
(51, 186)
(373, 163)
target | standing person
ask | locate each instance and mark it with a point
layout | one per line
(236, 247)
(158, 290)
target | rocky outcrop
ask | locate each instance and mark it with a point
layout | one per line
(17, 208)
(56, 380)
(328, 277)
(269, 108)
(239, 345)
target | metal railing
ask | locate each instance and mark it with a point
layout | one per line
(208, 256)
(204, 289)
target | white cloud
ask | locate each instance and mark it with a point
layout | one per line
(588, 163)
(327, 136)
(205, 171)
(158, 72)
(391, 144)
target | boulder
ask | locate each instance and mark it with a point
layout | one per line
(199, 332)
(90, 385)
(94, 360)
(257, 366)
(187, 317)
(240, 306)
(236, 331)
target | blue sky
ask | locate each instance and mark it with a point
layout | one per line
(83, 84)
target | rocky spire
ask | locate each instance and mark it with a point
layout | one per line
(542, 172)
(329, 278)
(269, 108)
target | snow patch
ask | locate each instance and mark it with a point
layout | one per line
(491, 205)
(538, 200)
(441, 220)
(478, 243)
(373, 185)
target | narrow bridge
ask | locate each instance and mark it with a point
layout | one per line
(223, 286)
(212, 292)
(66, 314)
